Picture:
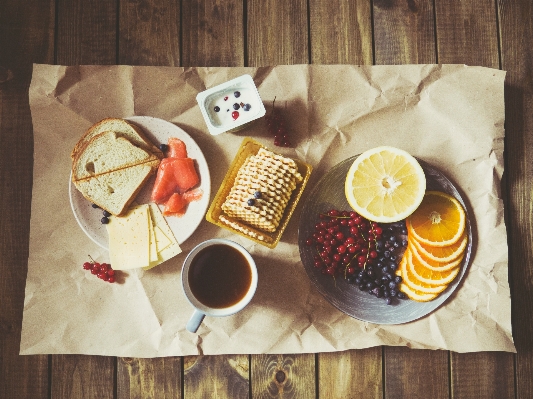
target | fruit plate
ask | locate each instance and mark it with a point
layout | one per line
(158, 131)
(329, 194)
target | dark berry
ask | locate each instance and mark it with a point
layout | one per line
(106, 213)
(257, 194)
(251, 202)
(246, 107)
(217, 108)
(163, 147)
(95, 206)
(104, 220)
(236, 106)
(237, 94)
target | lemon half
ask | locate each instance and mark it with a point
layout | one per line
(385, 184)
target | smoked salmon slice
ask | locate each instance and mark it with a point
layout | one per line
(176, 174)
(177, 203)
(177, 148)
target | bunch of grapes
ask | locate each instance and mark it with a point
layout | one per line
(361, 251)
(276, 127)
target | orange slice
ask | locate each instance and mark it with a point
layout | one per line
(413, 283)
(439, 221)
(429, 276)
(431, 264)
(441, 254)
(385, 184)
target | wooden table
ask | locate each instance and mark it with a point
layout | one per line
(496, 34)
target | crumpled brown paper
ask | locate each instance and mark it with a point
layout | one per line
(451, 116)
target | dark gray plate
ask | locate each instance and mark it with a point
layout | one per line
(329, 194)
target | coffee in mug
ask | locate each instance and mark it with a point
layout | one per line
(219, 278)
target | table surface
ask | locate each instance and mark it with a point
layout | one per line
(496, 34)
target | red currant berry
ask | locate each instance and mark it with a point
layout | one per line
(111, 279)
(87, 265)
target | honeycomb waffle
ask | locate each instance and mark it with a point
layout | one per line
(262, 189)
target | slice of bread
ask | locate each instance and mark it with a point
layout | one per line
(107, 152)
(114, 191)
(122, 128)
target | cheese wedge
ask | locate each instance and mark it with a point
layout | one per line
(168, 246)
(129, 239)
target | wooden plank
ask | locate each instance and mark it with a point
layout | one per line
(482, 375)
(86, 32)
(404, 32)
(26, 36)
(216, 377)
(75, 376)
(467, 32)
(516, 22)
(351, 374)
(149, 378)
(340, 32)
(212, 33)
(283, 376)
(277, 32)
(415, 373)
(149, 33)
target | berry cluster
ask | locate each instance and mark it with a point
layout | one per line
(103, 271)
(276, 127)
(105, 218)
(361, 251)
(380, 279)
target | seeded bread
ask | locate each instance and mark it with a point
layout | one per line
(114, 191)
(122, 128)
(107, 152)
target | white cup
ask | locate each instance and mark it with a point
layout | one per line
(193, 261)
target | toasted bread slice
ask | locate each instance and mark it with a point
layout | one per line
(114, 191)
(107, 152)
(122, 128)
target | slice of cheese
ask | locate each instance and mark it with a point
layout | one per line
(153, 241)
(129, 239)
(168, 246)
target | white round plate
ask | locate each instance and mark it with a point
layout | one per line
(159, 131)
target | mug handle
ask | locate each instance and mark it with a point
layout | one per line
(195, 321)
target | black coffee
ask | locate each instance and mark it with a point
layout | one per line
(219, 276)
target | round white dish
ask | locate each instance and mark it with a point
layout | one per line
(158, 131)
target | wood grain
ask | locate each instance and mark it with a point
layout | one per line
(216, 377)
(86, 32)
(75, 376)
(351, 374)
(283, 376)
(482, 375)
(26, 36)
(149, 32)
(340, 32)
(516, 26)
(212, 33)
(413, 373)
(467, 32)
(158, 378)
(277, 32)
(404, 32)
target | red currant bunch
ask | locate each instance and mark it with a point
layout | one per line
(103, 271)
(344, 241)
(277, 128)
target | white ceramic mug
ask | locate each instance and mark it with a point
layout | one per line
(201, 309)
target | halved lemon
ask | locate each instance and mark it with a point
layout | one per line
(440, 220)
(385, 184)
